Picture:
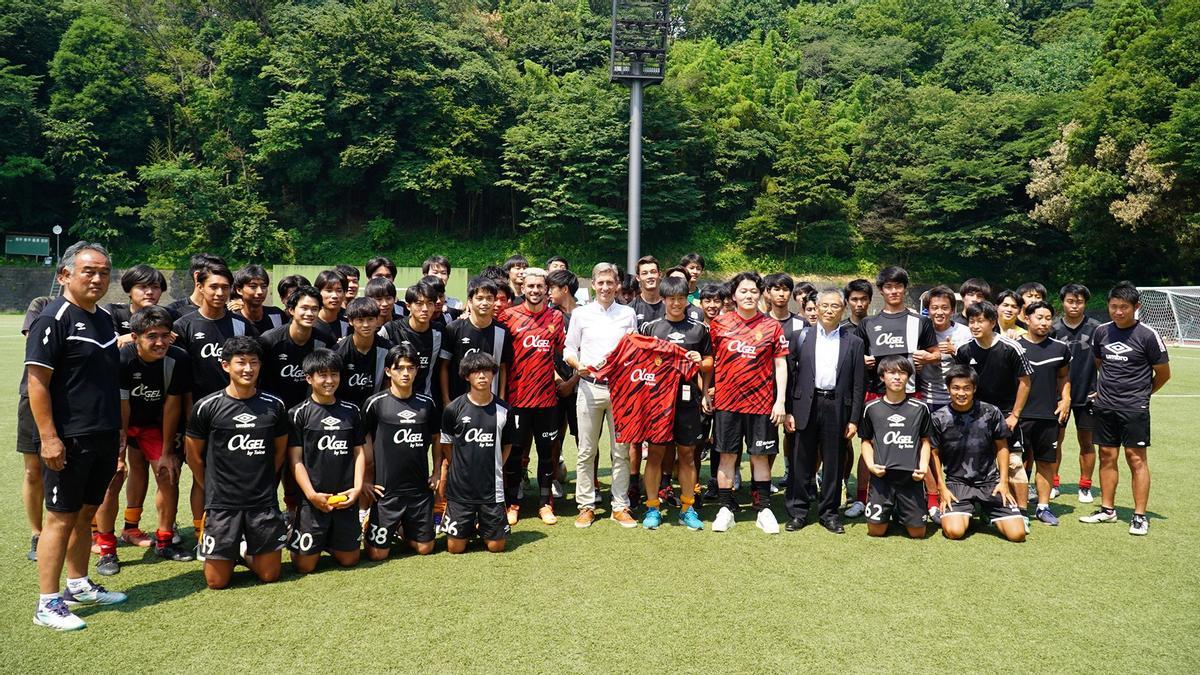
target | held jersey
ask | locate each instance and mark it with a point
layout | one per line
(1127, 359)
(479, 434)
(689, 335)
(428, 344)
(744, 353)
(283, 363)
(537, 339)
(644, 377)
(203, 339)
(902, 333)
(1083, 363)
(327, 436)
(1046, 358)
(147, 385)
(896, 430)
(239, 452)
(462, 337)
(966, 442)
(401, 430)
(362, 373)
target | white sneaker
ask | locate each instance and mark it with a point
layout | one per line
(54, 614)
(855, 510)
(95, 595)
(724, 520)
(1085, 496)
(1054, 493)
(1139, 525)
(1100, 516)
(766, 522)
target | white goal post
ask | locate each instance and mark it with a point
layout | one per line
(1173, 311)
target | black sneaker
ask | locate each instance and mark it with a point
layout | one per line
(108, 565)
(32, 555)
(173, 552)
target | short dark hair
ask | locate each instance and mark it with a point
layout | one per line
(475, 362)
(629, 284)
(710, 291)
(327, 277)
(676, 270)
(803, 291)
(557, 258)
(380, 287)
(673, 286)
(435, 260)
(199, 261)
(502, 288)
(1032, 287)
(303, 292)
(289, 284)
(1039, 304)
(646, 260)
(860, 285)
(779, 280)
(404, 351)
(495, 273)
(213, 270)
(362, 308)
(150, 317)
(347, 271)
(322, 360)
(982, 308)
(1125, 290)
(563, 279)
(690, 258)
(241, 345)
(477, 284)
(940, 292)
(248, 273)
(961, 371)
(891, 274)
(1075, 289)
(976, 285)
(515, 260)
(893, 362)
(435, 283)
(748, 275)
(375, 263)
(142, 274)
(420, 290)
(1006, 294)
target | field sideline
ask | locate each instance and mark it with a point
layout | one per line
(1072, 598)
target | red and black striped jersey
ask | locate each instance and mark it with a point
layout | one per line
(744, 353)
(644, 378)
(537, 338)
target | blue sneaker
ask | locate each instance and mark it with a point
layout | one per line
(1046, 517)
(691, 520)
(652, 519)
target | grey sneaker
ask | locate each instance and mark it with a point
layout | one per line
(1139, 525)
(108, 565)
(96, 595)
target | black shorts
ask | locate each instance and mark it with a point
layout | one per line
(410, 516)
(969, 498)
(731, 428)
(1122, 428)
(535, 427)
(29, 442)
(1040, 438)
(91, 463)
(224, 529)
(566, 410)
(315, 531)
(1085, 417)
(463, 521)
(896, 498)
(689, 428)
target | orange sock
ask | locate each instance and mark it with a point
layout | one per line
(133, 515)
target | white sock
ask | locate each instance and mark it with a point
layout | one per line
(45, 598)
(1042, 506)
(79, 585)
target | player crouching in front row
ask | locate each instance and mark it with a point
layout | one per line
(236, 442)
(476, 425)
(325, 451)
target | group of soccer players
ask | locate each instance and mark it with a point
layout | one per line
(390, 417)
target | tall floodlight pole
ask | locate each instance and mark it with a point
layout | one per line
(638, 57)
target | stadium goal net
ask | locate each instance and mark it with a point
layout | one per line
(1173, 311)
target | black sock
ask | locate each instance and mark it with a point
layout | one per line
(760, 493)
(726, 498)
(129, 525)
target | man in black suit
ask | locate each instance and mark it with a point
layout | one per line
(825, 399)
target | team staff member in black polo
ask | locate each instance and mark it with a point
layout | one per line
(825, 376)
(74, 369)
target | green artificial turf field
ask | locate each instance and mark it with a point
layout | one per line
(1076, 597)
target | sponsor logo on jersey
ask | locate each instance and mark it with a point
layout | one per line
(479, 436)
(330, 442)
(739, 347)
(889, 340)
(898, 439)
(360, 380)
(534, 342)
(896, 420)
(292, 371)
(210, 350)
(244, 442)
(245, 420)
(643, 375)
(408, 436)
(145, 393)
(1116, 351)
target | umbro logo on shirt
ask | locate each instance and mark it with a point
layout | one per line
(1118, 348)
(675, 337)
(465, 419)
(283, 357)
(406, 416)
(331, 423)
(466, 341)
(199, 336)
(245, 420)
(974, 362)
(895, 421)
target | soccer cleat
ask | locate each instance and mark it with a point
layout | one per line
(514, 514)
(134, 536)
(855, 510)
(935, 515)
(691, 520)
(766, 522)
(172, 552)
(652, 519)
(176, 538)
(96, 595)
(1100, 515)
(667, 496)
(108, 565)
(724, 520)
(587, 516)
(623, 518)
(1139, 525)
(1085, 495)
(32, 555)
(546, 513)
(1046, 517)
(55, 614)
(1055, 492)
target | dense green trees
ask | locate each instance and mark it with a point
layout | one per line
(1046, 138)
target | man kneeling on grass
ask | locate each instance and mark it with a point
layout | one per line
(236, 442)
(476, 426)
(325, 450)
(970, 443)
